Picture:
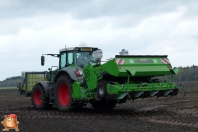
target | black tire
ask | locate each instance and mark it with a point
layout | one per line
(39, 99)
(100, 103)
(101, 89)
(104, 104)
(63, 93)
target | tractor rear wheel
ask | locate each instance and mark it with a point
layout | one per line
(39, 99)
(63, 93)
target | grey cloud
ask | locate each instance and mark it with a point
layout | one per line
(134, 10)
(88, 8)
(24, 8)
(120, 8)
(191, 9)
(108, 24)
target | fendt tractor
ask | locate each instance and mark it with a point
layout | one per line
(82, 78)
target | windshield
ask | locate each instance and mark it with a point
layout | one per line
(83, 58)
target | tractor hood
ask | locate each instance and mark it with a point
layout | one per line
(139, 65)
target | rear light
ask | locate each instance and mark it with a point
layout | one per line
(78, 73)
(169, 67)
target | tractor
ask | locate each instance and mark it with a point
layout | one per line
(82, 78)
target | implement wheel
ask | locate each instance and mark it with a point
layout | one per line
(101, 89)
(39, 99)
(63, 93)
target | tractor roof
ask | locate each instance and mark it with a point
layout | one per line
(73, 48)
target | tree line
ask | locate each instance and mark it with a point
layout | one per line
(11, 81)
(188, 73)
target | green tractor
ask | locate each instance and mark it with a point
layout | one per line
(83, 78)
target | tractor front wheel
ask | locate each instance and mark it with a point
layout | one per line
(63, 93)
(39, 99)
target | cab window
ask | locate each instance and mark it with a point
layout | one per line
(70, 58)
(63, 60)
(83, 58)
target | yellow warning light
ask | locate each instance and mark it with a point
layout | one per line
(86, 49)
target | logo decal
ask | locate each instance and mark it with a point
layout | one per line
(87, 74)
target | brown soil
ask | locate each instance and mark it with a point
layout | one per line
(176, 114)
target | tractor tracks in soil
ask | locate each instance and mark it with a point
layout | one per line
(175, 113)
(85, 113)
(180, 111)
(169, 122)
(159, 114)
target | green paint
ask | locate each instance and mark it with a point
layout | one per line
(124, 74)
(133, 66)
(90, 76)
(76, 92)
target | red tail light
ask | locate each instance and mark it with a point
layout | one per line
(169, 67)
(78, 73)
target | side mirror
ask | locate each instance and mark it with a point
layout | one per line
(42, 60)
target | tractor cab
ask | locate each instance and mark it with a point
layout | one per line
(77, 57)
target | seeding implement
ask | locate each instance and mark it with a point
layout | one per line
(81, 78)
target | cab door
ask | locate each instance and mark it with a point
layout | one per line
(63, 60)
(66, 59)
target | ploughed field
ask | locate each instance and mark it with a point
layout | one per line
(176, 114)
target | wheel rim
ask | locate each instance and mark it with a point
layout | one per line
(37, 97)
(101, 90)
(63, 94)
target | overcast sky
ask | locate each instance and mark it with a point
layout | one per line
(29, 29)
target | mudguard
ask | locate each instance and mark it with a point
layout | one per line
(71, 72)
(44, 84)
